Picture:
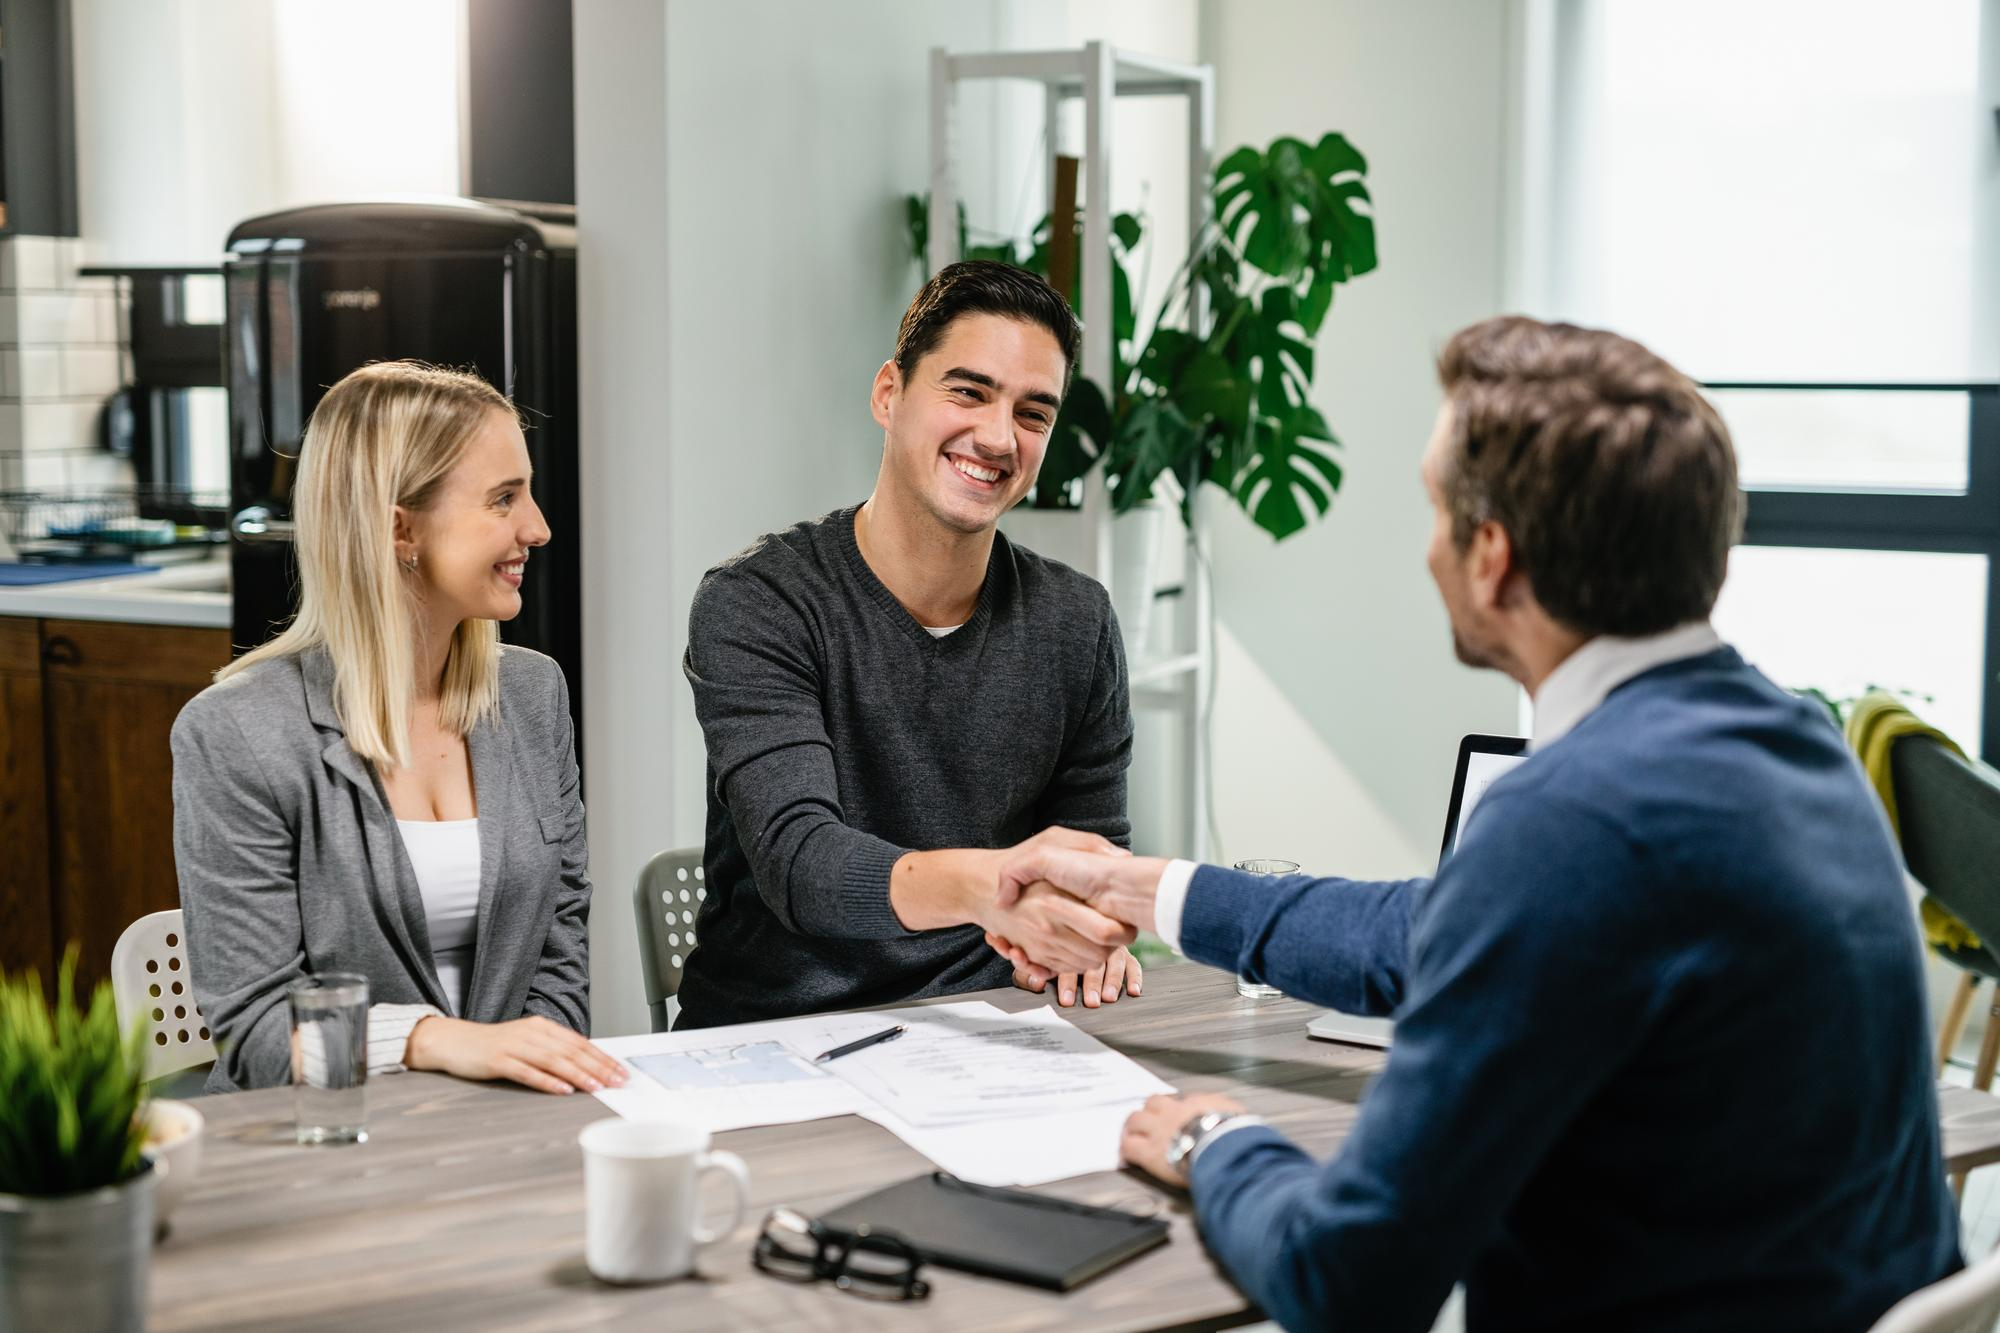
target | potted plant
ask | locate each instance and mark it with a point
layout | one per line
(76, 1191)
(1229, 404)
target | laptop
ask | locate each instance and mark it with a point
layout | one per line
(1481, 762)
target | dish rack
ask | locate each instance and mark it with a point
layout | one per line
(115, 521)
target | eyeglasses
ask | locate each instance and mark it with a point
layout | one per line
(876, 1264)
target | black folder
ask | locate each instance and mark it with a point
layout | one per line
(1003, 1233)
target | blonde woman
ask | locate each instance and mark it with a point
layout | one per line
(384, 788)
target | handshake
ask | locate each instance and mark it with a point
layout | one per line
(1065, 904)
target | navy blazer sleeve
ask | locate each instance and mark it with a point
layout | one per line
(1493, 1057)
(1341, 943)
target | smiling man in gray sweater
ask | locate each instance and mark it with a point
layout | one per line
(894, 695)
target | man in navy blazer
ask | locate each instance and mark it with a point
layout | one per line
(1661, 1058)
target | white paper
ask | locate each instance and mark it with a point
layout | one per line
(749, 1074)
(954, 1067)
(992, 1097)
(1030, 1151)
(730, 1077)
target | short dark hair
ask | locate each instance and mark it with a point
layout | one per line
(985, 287)
(1613, 477)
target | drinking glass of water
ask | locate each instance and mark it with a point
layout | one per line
(330, 1057)
(1251, 990)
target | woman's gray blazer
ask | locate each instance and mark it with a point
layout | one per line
(291, 864)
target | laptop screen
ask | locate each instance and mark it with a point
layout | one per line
(1481, 762)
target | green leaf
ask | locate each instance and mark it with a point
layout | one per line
(1082, 429)
(71, 1083)
(1153, 437)
(917, 218)
(1298, 214)
(1290, 463)
(1316, 302)
(1268, 343)
(1210, 389)
(1333, 156)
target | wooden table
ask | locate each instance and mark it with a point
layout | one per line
(465, 1207)
(464, 1210)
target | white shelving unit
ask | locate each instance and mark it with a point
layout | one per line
(1100, 74)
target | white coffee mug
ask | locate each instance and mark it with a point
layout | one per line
(642, 1194)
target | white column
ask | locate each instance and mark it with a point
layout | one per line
(1099, 337)
(628, 633)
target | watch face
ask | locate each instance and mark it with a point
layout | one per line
(1190, 1135)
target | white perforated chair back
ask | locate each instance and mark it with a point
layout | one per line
(667, 899)
(149, 975)
(1966, 1302)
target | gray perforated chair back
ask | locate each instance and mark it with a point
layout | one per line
(667, 900)
(1948, 812)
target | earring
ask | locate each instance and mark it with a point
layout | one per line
(410, 564)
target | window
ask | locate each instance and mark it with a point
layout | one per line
(1781, 190)
(1798, 201)
(1849, 439)
(1852, 620)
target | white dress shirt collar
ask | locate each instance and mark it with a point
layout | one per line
(1582, 681)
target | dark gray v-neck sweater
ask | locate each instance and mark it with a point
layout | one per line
(842, 735)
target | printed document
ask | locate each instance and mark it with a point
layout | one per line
(970, 1066)
(992, 1097)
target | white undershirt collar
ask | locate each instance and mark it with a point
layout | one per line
(1583, 679)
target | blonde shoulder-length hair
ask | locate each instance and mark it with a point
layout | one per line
(386, 435)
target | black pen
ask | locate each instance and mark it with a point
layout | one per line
(888, 1035)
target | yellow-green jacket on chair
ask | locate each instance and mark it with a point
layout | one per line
(1876, 722)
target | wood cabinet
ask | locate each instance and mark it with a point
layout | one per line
(27, 921)
(86, 780)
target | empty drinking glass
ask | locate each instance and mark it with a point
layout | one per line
(330, 1057)
(1251, 990)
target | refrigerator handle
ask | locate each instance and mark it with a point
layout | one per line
(256, 526)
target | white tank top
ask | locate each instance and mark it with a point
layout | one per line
(445, 855)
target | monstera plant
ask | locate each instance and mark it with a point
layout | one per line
(1231, 403)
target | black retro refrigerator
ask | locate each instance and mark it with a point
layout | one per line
(314, 293)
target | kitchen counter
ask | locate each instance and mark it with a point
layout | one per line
(193, 593)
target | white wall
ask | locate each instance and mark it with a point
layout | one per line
(366, 96)
(173, 124)
(625, 476)
(195, 114)
(1340, 704)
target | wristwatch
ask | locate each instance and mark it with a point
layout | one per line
(1181, 1151)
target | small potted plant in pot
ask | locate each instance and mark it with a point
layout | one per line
(76, 1190)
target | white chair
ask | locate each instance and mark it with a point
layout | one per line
(149, 975)
(667, 897)
(1966, 1302)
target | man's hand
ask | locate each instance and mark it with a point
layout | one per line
(1100, 985)
(957, 886)
(530, 1051)
(1152, 1129)
(1054, 932)
(1121, 886)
